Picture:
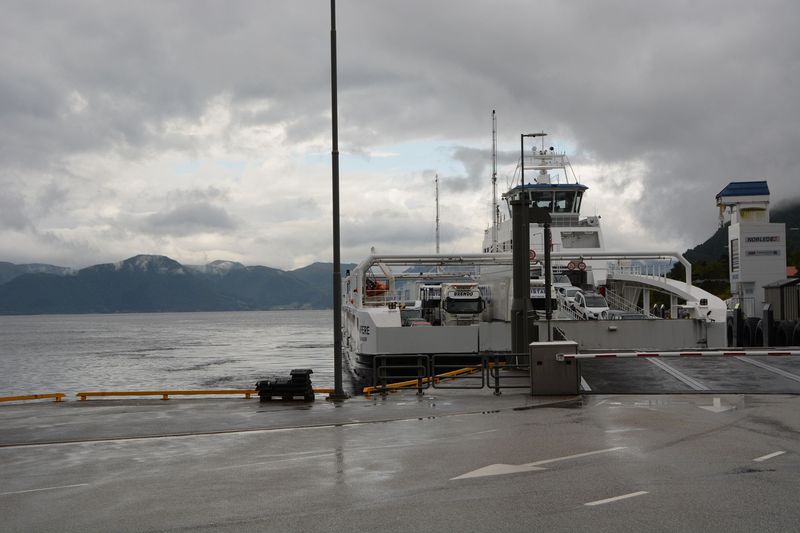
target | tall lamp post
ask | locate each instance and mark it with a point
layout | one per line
(338, 391)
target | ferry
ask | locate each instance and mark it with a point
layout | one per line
(409, 316)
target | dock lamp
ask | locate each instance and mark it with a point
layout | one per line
(338, 393)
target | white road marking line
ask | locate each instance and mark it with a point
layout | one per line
(769, 368)
(44, 488)
(768, 456)
(585, 386)
(716, 407)
(498, 470)
(576, 456)
(623, 430)
(616, 498)
(487, 431)
(502, 469)
(693, 383)
(276, 461)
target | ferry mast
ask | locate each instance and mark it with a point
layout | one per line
(437, 212)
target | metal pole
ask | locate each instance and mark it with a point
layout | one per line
(494, 183)
(548, 281)
(520, 235)
(526, 245)
(338, 393)
(437, 213)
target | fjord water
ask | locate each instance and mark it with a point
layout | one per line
(70, 353)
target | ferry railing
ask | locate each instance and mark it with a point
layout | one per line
(566, 309)
(616, 301)
(657, 271)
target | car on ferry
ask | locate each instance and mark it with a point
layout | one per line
(591, 306)
(568, 294)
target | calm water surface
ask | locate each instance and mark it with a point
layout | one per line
(68, 353)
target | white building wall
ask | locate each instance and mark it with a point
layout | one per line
(756, 257)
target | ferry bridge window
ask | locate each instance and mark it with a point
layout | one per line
(463, 306)
(564, 201)
(543, 199)
(578, 198)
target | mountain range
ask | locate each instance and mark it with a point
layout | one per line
(156, 283)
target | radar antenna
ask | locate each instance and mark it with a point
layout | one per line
(437, 212)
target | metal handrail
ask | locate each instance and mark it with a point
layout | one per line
(418, 364)
(489, 364)
(563, 306)
(617, 301)
(458, 371)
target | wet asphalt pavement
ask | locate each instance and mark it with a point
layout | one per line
(446, 461)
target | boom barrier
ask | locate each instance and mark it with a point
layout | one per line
(703, 353)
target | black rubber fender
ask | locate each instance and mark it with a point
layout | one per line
(784, 330)
(796, 335)
(758, 334)
(750, 325)
(729, 324)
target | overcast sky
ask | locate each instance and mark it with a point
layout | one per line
(201, 130)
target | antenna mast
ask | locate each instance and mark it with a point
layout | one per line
(495, 210)
(437, 213)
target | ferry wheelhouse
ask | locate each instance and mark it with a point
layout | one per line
(555, 189)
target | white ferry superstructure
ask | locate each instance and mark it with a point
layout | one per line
(554, 190)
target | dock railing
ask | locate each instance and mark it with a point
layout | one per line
(57, 397)
(495, 370)
(165, 394)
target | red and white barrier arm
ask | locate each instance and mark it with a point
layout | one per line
(704, 353)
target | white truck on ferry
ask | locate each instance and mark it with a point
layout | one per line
(452, 304)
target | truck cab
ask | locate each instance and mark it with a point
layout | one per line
(452, 304)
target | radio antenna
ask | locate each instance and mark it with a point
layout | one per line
(437, 212)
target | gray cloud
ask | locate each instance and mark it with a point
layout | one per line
(12, 211)
(698, 94)
(189, 219)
